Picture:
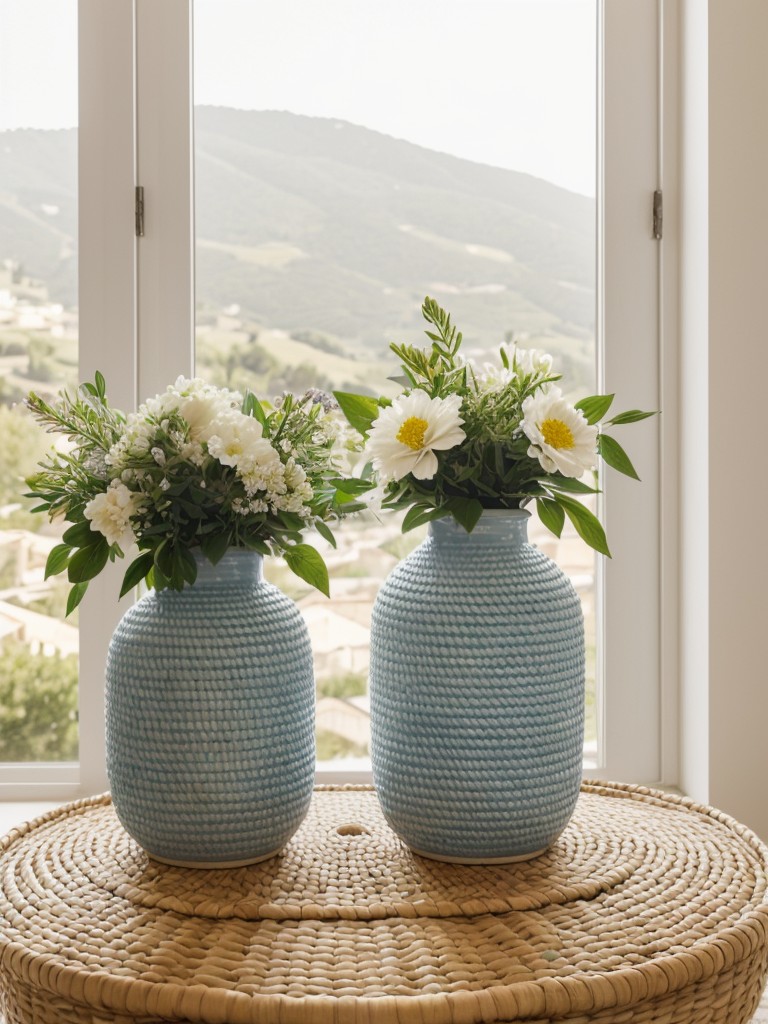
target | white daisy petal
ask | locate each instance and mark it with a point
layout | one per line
(561, 439)
(426, 465)
(406, 434)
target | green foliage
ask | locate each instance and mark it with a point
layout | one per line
(504, 460)
(331, 746)
(38, 706)
(351, 684)
(24, 444)
(158, 481)
(360, 410)
(308, 564)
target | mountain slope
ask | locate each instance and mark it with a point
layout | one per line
(311, 223)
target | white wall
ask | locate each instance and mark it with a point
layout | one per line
(724, 459)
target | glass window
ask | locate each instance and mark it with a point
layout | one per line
(351, 158)
(38, 351)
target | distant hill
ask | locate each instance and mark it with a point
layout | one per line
(312, 224)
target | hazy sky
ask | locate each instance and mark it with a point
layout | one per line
(504, 82)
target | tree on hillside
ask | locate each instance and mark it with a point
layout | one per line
(38, 705)
(24, 444)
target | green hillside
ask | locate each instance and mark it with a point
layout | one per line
(319, 226)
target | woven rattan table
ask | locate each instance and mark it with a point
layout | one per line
(648, 908)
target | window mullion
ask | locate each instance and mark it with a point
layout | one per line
(629, 328)
(164, 170)
(107, 301)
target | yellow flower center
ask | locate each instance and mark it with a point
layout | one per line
(557, 434)
(412, 432)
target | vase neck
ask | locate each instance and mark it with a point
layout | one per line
(236, 568)
(507, 527)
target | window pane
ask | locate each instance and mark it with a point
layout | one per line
(38, 351)
(352, 158)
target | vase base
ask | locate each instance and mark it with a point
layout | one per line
(213, 865)
(478, 860)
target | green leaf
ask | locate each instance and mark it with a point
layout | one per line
(136, 572)
(551, 514)
(214, 546)
(88, 562)
(157, 577)
(101, 384)
(75, 596)
(615, 456)
(308, 564)
(256, 544)
(587, 525)
(184, 567)
(57, 560)
(595, 407)
(163, 559)
(632, 416)
(188, 566)
(570, 484)
(291, 521)
(325, 531)
(466, 511)
(360, 410)
(253, 407)
(82, 536)
(352, 485)
(417, 515)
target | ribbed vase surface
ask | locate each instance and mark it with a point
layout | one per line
(210, 717)
(477, 694)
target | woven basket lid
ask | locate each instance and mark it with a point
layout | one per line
(643, 893)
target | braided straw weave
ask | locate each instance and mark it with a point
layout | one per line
(648, 908)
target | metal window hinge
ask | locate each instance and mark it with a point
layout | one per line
(658, 214)
(139, 211)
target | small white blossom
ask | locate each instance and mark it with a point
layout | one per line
(236, 440)
(110, 513)
(526, 361)
(96, 465)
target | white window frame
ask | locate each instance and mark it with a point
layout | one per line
(137, 326)
(107, 342)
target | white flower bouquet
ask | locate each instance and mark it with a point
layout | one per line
(197, 467)
(461, 439)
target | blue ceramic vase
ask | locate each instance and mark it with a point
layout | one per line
(210, 718)
(477, 694)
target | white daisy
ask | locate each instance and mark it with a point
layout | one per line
(561, 439)
(406, 434)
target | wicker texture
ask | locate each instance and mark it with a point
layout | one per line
(477, 693)
(648, 908)
(210, 716)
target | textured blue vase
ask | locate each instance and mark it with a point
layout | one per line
(477, 694)
(210, 718)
